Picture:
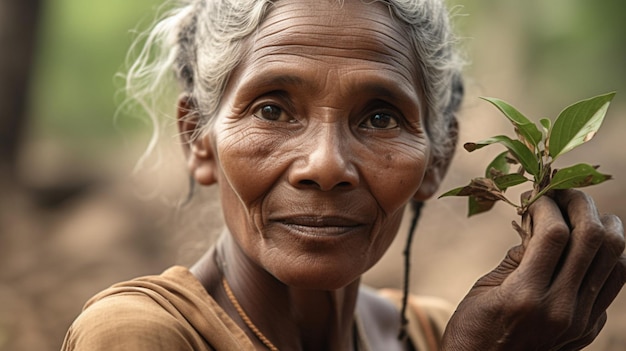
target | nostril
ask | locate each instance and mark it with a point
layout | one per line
(307, 182)
(311, 183)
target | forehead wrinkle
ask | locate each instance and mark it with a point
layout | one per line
(399, 75)
(274, 71)
(374, 35)
(383, 42)
(284, 55)
(377, 51)
(357, 42)
(303, 34)
(283, 72)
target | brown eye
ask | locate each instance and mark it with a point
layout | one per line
(271, 113)
(380, 121)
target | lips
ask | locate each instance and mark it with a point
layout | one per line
(318, 214)
(320, 225)
(317, 221)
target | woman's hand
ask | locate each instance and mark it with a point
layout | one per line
(553, 293)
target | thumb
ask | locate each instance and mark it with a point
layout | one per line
(509, 264)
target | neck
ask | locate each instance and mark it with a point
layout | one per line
(291, 318)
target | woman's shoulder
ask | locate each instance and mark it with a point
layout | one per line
(171, 311)
(126, 321)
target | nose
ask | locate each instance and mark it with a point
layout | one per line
(327, 162)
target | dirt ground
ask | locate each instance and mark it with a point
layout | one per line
(58, 248)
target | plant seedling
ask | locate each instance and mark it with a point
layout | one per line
(534, 153)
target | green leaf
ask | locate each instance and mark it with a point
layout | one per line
(537, 148)
(527, 129)
(482, 194)
(478, 205)
(453, 192)
(506, 181)
(546, 124)
(577, 176)
(499, 165)
(577, 124)
(521, 152)
(480, 187)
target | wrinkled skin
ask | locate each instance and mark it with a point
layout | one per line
(318, 145)
(552, 294)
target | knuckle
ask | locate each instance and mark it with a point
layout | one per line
(557, 233)
(526, 302)
(617, 244)
(614, 233)
(592, 233)
(617, 223)
(577, 195)
(562, 314)
(561, 319)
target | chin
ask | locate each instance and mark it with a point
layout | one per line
(322, 274)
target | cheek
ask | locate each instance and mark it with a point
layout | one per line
(251, 161)
(249, 168)
(387, 233)
(393, 177)
(396, 175)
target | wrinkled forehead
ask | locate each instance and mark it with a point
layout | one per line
(345, 30)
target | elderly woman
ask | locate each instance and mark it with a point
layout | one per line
(320, 121)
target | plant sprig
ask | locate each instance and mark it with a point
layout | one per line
(534, 153)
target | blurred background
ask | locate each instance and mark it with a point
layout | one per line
(75, 217)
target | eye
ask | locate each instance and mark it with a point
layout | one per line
(380, 120)
(272, 113)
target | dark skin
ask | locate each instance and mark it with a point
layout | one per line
(553, 293)
(317, 147)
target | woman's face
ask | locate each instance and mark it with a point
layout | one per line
(319, 142)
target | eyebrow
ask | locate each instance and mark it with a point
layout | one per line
(383, 87)
(272, 80)
(382, 91)
(374, 88)
(386, 88)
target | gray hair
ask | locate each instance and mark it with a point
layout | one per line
(201, 42)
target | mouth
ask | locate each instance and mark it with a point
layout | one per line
(320, 225)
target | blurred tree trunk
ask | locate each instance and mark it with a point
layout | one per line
(18, 30)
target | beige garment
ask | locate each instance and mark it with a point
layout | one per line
(428, 317)
(173, 311)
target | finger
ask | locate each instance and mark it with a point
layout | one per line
(611, 289)
(575, 206)
(550, 237)
(495, 278)
(587, 236)
(605, 267)
(581, 342)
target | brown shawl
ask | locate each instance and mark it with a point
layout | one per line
(173, 311)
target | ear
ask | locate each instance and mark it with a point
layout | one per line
(197, 144)
(438, 166)
(431, 181)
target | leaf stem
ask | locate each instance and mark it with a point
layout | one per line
(533, 198)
